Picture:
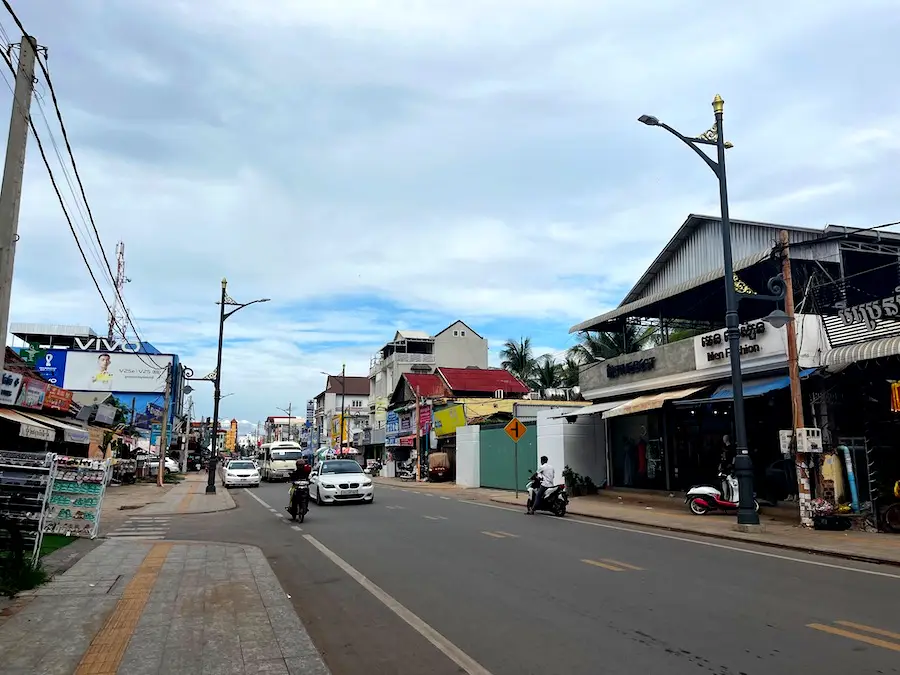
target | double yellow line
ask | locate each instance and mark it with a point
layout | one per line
(861, 636)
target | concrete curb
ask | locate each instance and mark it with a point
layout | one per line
(729, 537)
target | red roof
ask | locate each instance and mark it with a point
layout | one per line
(482, 380)
(426, 385)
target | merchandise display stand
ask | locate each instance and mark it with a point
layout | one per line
(26, 479)
(77, 496)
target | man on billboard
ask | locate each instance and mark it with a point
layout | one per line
(103, 378)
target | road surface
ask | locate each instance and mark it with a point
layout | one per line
(423, 583)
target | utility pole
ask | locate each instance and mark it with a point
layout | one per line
(290, 417)
(343, 396)
(797, 422)
(164, 428)
(418, 441)
(13, 170)
(184, 437)
(117, 314)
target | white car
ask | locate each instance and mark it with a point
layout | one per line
(171, 466)
(240, 472)
(340, 480)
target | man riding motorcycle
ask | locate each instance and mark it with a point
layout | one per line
(547, 474)
(301, 471)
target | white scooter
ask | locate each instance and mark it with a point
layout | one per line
(701, 499)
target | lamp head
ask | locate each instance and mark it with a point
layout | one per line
(224, 282)
(649, 120)
(777, 318)
(718, 105)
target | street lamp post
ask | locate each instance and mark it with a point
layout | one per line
(343, 396)
(743, 465)
(217, 383)
(288, 410)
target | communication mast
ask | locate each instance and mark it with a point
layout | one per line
(117, 316)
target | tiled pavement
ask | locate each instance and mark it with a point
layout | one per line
(143, 527)
(158, 608)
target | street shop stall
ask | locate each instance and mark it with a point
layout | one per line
(77, 496)
(26, 480)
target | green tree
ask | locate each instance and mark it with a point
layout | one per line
(518, 359)
(548, 374)
(604, 345)
(570, 372)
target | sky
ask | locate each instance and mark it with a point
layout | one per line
(371, 165)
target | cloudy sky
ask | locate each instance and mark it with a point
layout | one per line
(371, 165)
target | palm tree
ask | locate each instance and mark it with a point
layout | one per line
(518, 358)
(570, 372)
(548, 374)
(609, 344)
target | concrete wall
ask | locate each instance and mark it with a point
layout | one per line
(670, 359)
(580, 445)
(460, 351)
(468, 457)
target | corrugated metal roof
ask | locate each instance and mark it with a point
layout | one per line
(427, 385)
(412, 335)
(484, 380)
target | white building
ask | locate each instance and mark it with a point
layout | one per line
(351, 394)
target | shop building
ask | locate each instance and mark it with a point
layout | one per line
(350, 394)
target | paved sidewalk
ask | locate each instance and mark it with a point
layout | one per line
(189, 496)
(140, 608)
(413, 485)
(879, 548)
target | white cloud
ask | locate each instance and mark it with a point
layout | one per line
(374, 164)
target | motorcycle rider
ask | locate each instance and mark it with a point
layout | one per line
(547, 475)
(301, 471)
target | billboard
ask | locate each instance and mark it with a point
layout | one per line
(104, 371)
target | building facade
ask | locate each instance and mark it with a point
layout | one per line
(349, 394)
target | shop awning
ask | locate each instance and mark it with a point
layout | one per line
(863, 351)
(758, 387)
(591, 409)
(28, 428)
(71, 433)
(650, 402)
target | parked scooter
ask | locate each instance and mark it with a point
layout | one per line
(406, 471)
(701, 499)
(298, 500)
(555, 499)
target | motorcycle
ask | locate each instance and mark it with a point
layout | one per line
(555, 499)
(298, 500)
(406, 472)
(701, 499)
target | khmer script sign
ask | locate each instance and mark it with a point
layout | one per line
(870, 313)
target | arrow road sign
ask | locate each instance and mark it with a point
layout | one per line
(515, 429)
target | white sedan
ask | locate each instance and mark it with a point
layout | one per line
(340, 480)
(240, 472)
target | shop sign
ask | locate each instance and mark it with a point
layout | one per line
(32, 393)
(711, 349)
(57, 399)
(631, 367)
(448, 420)
(406, 422)
(104, 345)
(870, 313)
(407, 441)
(37, 433)
(424, 419)
(9, 387)
(392, 423)
(391, 441)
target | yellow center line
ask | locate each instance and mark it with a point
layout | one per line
(606, 566)
(105, 653)
(876, 642)
(869, 629)
(621, 564)
(494, 534)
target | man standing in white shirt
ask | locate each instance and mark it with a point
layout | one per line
(547, 474)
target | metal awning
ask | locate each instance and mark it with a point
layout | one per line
(29, 428)
(71, 433)
(591, 409)
(677, 289)
(862, 351)
(751, 388)
(650, 402)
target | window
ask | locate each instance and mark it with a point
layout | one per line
(462, 333)
(356, 403)
(456, 333)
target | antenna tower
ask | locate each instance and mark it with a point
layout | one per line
(117, 316)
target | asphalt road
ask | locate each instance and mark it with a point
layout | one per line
(464, 587)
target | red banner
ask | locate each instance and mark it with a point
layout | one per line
(32, 393)
(58, 398)
(407, 441)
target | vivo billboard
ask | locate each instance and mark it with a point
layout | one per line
(115, 371)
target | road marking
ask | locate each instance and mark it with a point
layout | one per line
(272, 510)
(621, 564)
(875, 642)
(506, 534)
(435, 517)
(465, 662)
(606, 566)
(107, 649)
(257, 499)
(428, 494)
(297, 527)
(416, 492)
(156, 534)
(396, 507)
(496, 535)
(447, 498)
(870, 629)
(699, 542)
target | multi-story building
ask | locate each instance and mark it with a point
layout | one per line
(456, 346)
(283, 428)
(350, 393)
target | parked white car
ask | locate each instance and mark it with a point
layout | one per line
(241, 472)
(340, 480)
(171, 466)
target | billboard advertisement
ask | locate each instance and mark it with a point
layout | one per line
(104, 371)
